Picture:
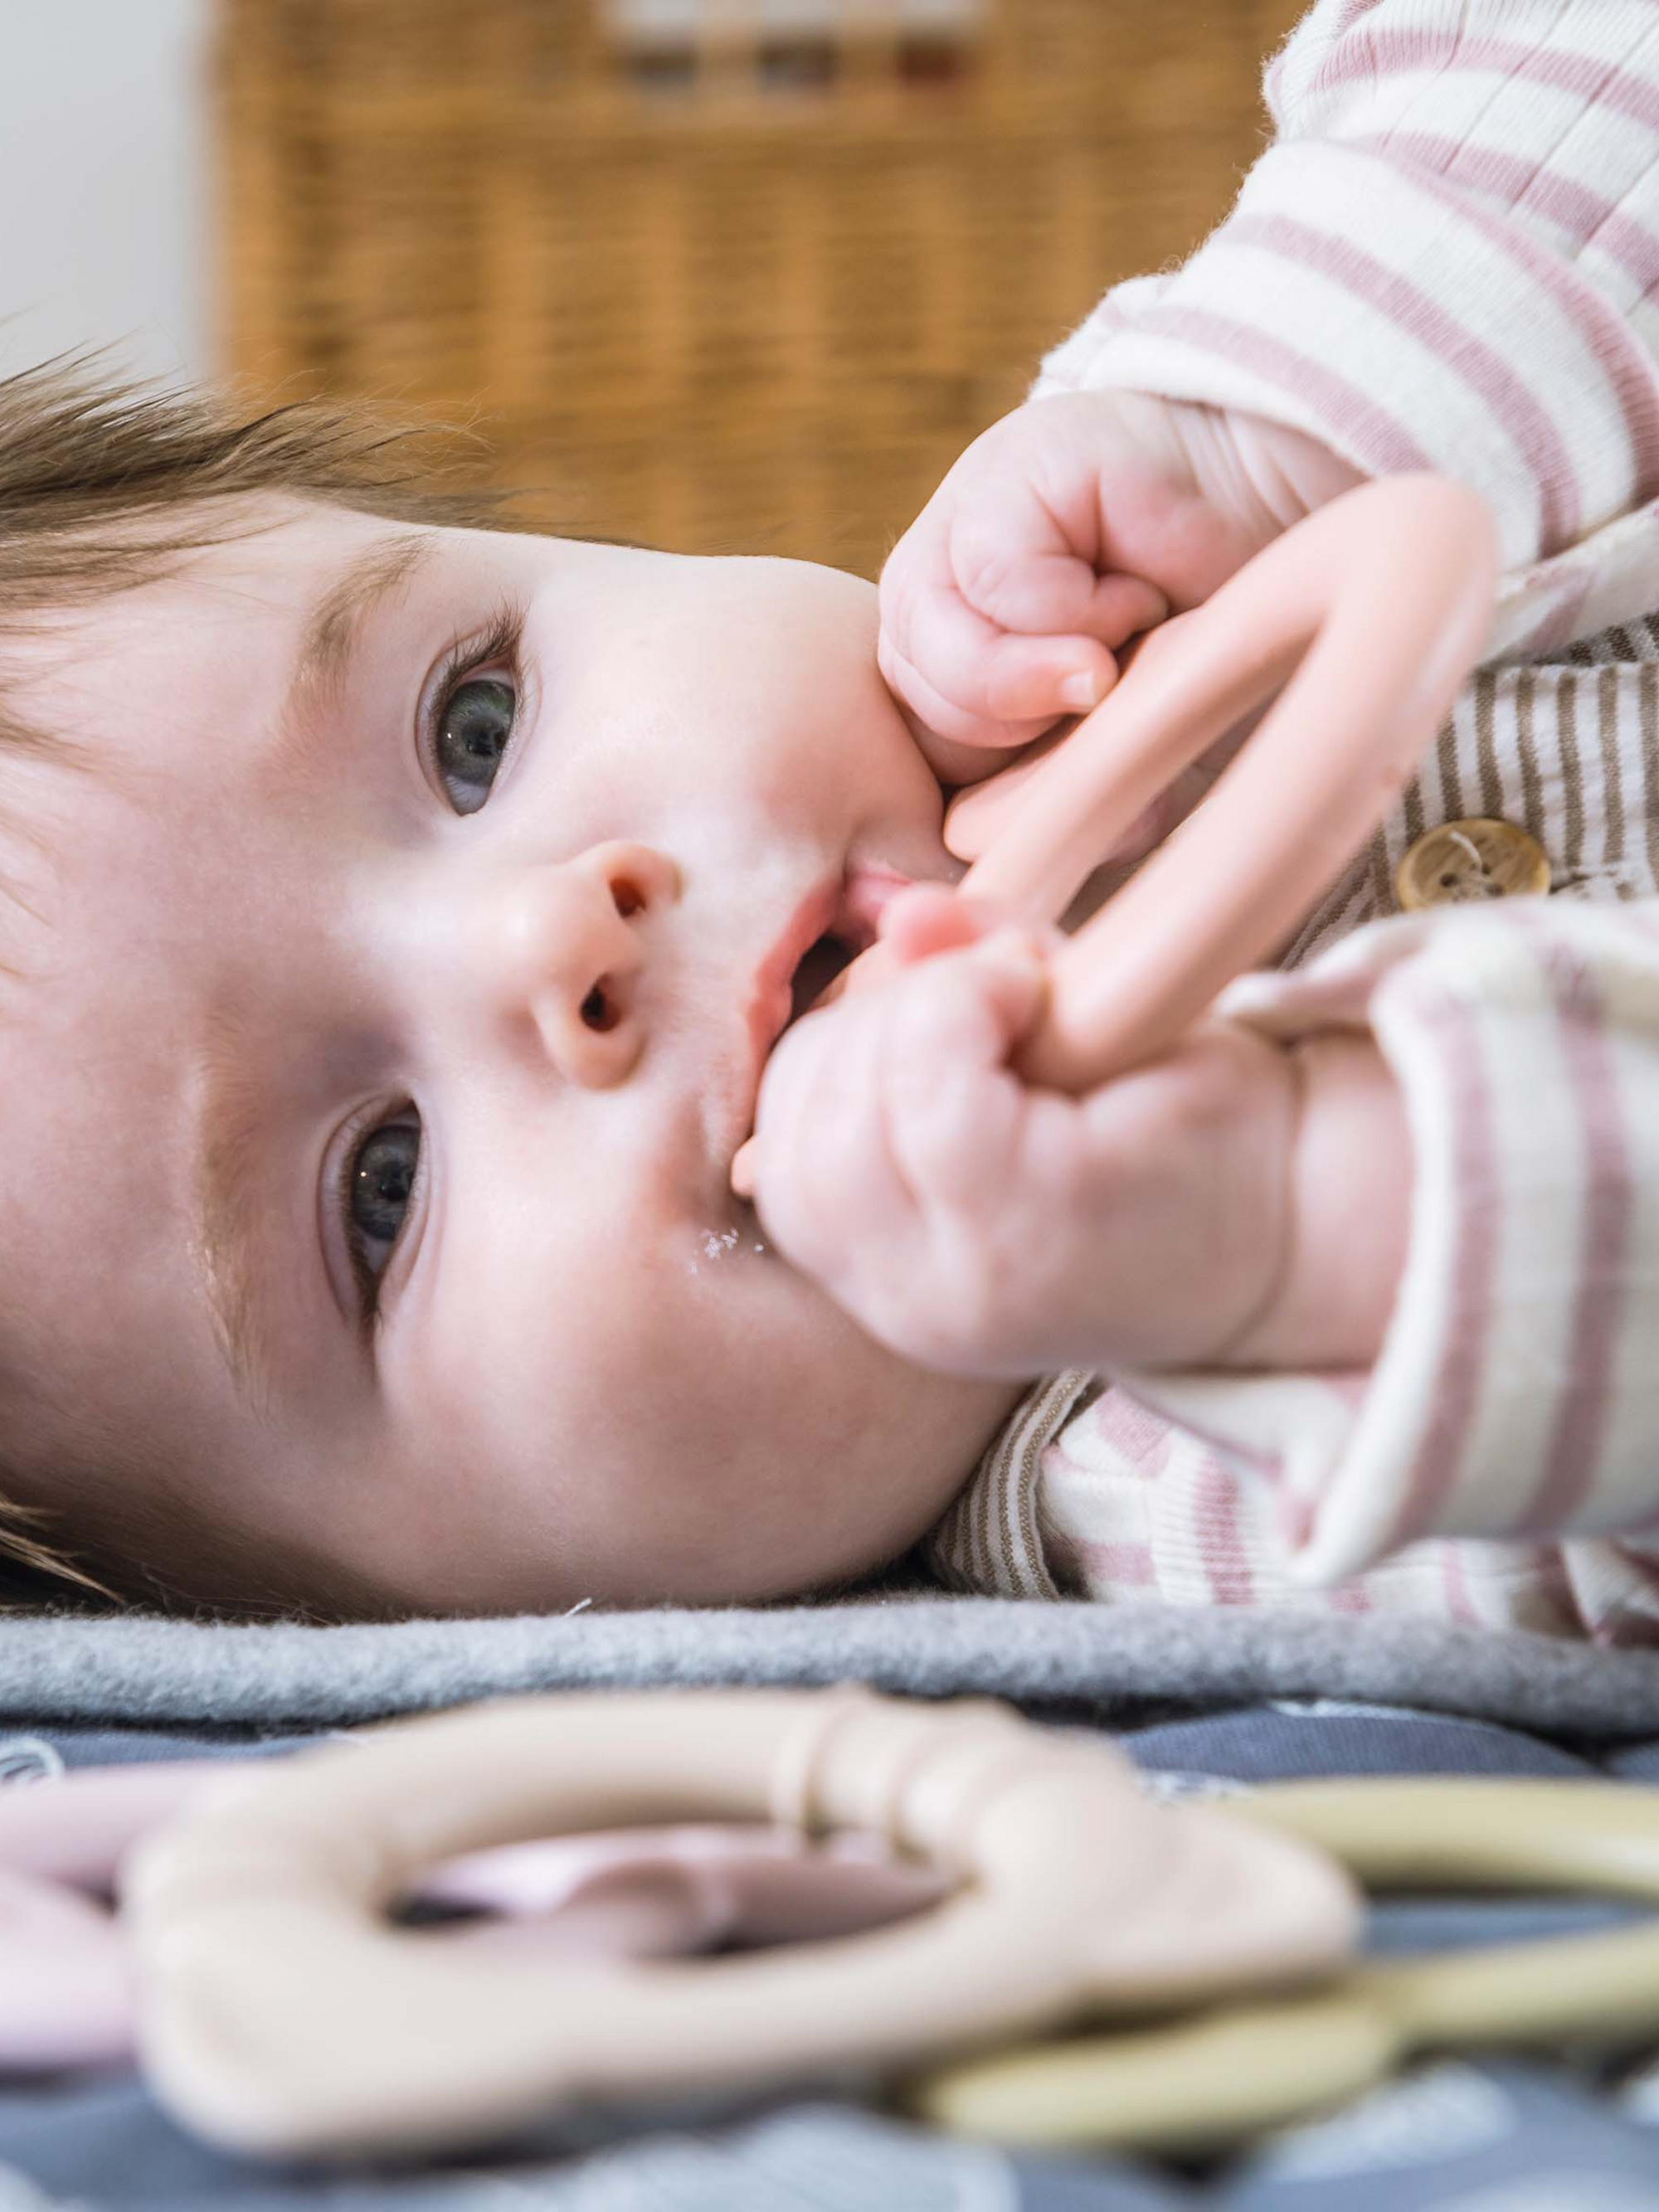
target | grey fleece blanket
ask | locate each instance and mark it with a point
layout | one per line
(1110, 1663)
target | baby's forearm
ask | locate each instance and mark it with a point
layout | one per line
(1347, 1201)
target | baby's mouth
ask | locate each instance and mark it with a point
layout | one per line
(854, 928)
(828, 958)
(847, 915)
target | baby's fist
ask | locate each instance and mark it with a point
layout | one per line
(894, 1147)
(1063, 530)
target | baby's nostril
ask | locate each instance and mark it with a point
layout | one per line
(597, 1012)
(627, 897)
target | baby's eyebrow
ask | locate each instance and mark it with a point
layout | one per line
(329, 642)
(229, 1194)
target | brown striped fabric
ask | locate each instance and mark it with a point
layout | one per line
(1553, 745)
(990, 1539)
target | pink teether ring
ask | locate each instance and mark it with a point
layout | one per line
(64, 1996)
(1374, 609)
(1384, 598)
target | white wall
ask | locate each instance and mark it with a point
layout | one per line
(103, 179)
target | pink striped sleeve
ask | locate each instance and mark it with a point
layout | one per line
(1516, 1394)
(1448, 258)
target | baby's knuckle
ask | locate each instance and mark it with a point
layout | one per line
(841, 1180)
(987, 568)
(894, 669)
(896, 595)
(935, 1138)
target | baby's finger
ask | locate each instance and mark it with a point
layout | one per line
(979, 680)
(1014, 563)
(969, 1008)
(953, 1113)
(928, 919)
(954, 739)
(1027, 679)
(821, 1174)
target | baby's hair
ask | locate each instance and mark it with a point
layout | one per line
(107, 482)
(104, 479)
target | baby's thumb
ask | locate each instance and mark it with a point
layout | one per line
(1050, 655)
(1015, 973)
(1031, 679)
(973, 1007)
(928, 919)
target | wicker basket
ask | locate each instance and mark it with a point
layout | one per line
(722, 288)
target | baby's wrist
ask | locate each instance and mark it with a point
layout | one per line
(1288, 473)
(1347, 1207)
(1255, 476)
(1264, 472)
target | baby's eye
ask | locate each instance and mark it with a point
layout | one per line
(472, 726)
(378, 1179)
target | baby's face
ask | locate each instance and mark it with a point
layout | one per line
(395, 1004)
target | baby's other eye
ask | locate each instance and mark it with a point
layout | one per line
(470, 732)
(379, 1177)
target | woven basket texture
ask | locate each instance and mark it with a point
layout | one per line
(723, 290)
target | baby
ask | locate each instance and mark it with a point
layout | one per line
(403, 917)
(398, 916)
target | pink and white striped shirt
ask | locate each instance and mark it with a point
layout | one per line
(1448, 258)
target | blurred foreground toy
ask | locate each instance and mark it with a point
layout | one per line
(280, 2012)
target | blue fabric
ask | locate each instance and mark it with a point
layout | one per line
(1484, 2135)
(1294, 1738)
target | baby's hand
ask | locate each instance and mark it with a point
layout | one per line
(981, 1227)
(1063, 530)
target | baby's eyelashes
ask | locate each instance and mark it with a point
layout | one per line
(471, 714)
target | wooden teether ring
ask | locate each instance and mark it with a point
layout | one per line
(1380, 604)
(280, 2013)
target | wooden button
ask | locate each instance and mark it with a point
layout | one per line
(1482, 858)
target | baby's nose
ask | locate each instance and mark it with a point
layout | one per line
(573, 951)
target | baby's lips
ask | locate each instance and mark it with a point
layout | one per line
(868, 968)
(1012, 946)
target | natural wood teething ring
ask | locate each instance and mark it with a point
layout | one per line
(1384, 599)
(280, 2013)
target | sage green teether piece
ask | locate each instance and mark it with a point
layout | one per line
(1199, 2083)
